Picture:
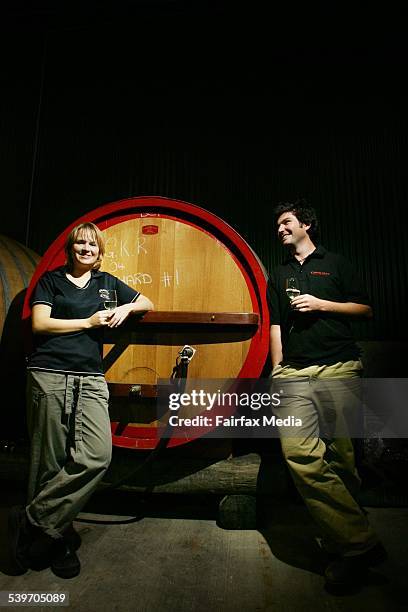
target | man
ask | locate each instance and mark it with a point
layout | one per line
(313, 351)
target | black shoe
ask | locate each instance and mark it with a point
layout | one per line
(72, 538)
(43, 550)
(66, 563)
(327, 549)
(21, 534)
(349, 572)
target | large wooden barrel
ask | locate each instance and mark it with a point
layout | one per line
(209, 291)
(17, 265)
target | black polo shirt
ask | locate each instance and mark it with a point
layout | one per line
(75, 352)
(316, 338)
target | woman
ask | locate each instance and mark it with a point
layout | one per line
(68, 396)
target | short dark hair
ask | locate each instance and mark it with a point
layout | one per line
(303, 212)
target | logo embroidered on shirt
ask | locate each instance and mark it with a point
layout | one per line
(319, 273)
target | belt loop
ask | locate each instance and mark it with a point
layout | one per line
(78, 411)
(69, 395)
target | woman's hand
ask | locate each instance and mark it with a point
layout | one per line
(100, 318)
(120, 314)
(140, 305)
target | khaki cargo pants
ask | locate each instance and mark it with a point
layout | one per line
(322, 464)
(71, 445)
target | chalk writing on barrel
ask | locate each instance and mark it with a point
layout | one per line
(124, 249)
(139, 278)
(167, 278)
(143, 278)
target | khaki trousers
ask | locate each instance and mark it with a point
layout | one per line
(71, 445)
(323, 469)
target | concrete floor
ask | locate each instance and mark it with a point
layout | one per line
(176, 558)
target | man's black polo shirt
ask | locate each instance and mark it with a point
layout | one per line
(318, 338)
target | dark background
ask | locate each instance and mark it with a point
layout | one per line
(233, 106)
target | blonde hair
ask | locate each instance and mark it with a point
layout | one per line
(94, 233)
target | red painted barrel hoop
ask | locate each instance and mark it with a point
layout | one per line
(214, 226)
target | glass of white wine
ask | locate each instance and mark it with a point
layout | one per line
(292, 288)
(110, 300)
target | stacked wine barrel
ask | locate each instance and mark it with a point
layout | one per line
(17, 265)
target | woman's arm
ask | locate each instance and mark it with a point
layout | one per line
(142, 303)
(43, 323)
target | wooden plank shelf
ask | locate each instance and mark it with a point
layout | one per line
(161, 326)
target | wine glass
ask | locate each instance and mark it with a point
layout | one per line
(292, 288)
(110, 300)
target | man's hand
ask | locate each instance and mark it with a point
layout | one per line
(307, 303)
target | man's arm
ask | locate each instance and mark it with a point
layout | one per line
(276, 345)
(310, 303)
